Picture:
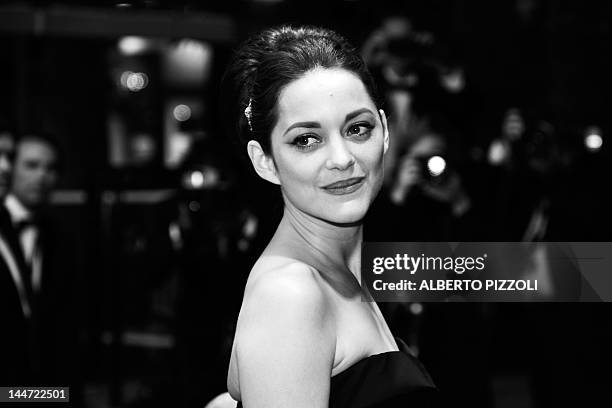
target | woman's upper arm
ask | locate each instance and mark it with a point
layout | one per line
(285, 342)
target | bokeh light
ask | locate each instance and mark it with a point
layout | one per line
(196, 179)
(133, 45)
(181, 112)
(592, 139)
(436, 165)
(134, 81)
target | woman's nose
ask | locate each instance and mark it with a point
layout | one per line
(340, 156)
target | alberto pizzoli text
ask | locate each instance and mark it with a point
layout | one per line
(458, 285)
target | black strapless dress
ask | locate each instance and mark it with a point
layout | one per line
(393, 379)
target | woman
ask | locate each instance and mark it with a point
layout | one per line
(306, 107)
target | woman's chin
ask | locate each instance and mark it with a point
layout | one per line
(346, 217)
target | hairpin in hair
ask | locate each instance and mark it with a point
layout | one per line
(248, 113)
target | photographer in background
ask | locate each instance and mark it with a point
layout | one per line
(425, 198)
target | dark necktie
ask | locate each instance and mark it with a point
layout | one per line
(12, 237)
(20, 228)
(23, 224)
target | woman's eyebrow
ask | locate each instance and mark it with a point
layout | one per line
(303, 125)
(357, 113)
(312, 125)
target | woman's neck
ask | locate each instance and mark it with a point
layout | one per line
(330, 248)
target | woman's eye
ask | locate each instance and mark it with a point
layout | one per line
(360, 129)
(305, 142)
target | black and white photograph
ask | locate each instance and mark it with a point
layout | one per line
(305, 203)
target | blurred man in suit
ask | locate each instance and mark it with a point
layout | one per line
(35, 175)
(45, 258)
(16, 310)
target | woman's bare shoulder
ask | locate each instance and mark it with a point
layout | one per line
(285, 312)
(274, 275)
(283, 288)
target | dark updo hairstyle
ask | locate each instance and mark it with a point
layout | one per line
(267, 62)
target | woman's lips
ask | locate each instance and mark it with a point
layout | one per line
(345, 186)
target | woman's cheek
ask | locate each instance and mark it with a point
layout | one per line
(375, 157)
(296, 172)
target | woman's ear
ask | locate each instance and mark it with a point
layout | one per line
(262, 163)
(383, 119)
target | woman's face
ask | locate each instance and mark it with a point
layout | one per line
(328, 145)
